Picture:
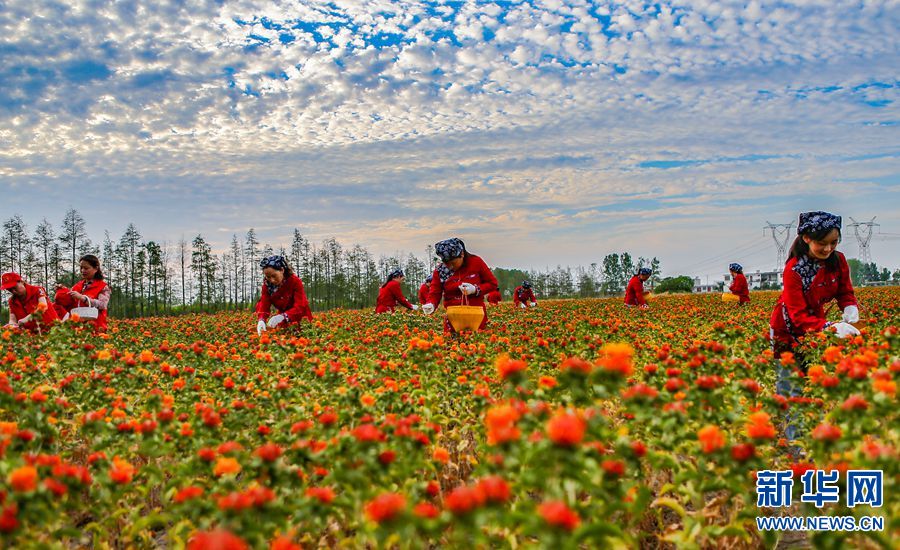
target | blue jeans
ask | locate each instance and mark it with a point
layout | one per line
(786, 386)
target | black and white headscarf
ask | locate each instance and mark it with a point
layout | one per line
(737, 268)
(447, 250)
(275, 262)
(814, 222)
(645, 271)
(807, 269)
(526, 284)
(395, 273)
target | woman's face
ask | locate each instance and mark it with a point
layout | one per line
(273, 276)
(644, 276)
(455, 263)
(822, 249)
(87, 270)
(19, 290)
(401, 278)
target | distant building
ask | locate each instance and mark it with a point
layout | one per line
(700, 288)
(759, 278)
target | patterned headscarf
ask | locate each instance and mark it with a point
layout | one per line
(449, 249)
(429, 278)
(526, 284)
(645, 271)
(807, 269)
(395, 273)
(737, 268)
(813, 222)
(446, 251)
(275, 262)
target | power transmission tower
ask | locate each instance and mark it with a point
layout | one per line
(864, 237)
(781, 234)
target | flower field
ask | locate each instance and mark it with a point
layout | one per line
(576, 423)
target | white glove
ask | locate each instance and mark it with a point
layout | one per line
(415, 307)
(522, 305)
(428, 309)
(65, 317)
(645, 306)
(532, 304)
(260, 327)
(276, 320)
(845, 330)
(25, 319)
(11, 325)
(851, 314)
(467, 288)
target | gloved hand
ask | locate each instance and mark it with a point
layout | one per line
(522, 305)
(645, 306)
(468, 289)
(851, 314)
(260, 327)
(11, 325)
(845, 330)
(532, 304)
(276, 320)
(65, 317)
(428, 309)
(415, 307)
(25, 319)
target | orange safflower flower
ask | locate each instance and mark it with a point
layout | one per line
(617, 358)
(385, 507)
(507, 367)
(759, 426)
(557, 514)
(501, 424)
(566, 429)
(711, 438)
(23, 479)
(121, 471)
(225, 466)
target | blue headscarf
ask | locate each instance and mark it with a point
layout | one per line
(814, 222)
(526, 284)
(428, 279)
(737, 268)
(275, 262)
(393, 275)
(645, 271)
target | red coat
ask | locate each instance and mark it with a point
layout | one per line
(474, 271)
(389, 296)
(494, 297)
(523, 296)
(423, 293)
(739, 287)
(24, 307)
(289, 299)
(634, 294)
(806, 309)
(64, 303)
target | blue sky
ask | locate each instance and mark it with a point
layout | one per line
(542, 132)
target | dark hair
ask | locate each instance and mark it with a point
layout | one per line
(94, 261)
(800, 248)
(389, 279)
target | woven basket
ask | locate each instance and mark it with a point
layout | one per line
(465, 317)
(729, 297)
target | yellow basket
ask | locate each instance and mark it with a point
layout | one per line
(648, 296)
(729, 297)
(465, 317)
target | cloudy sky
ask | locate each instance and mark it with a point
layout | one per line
(542, 132)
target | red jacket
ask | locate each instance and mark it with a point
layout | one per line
(24, 307)
(389, 296)
(523, 296)
(806, 309)
(64, 303)
(493, 297)
(289, 299)
(423, 293)
(473, 271)
(634, 294)
(739, 287)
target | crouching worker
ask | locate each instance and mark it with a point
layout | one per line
(88, 298)
(283, 290)
(28, 306)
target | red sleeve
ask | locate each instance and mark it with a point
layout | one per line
(423, 294)
(795, 302)
(301, 304)
(516, 295)
(488, 281)
(264, 305)
(435, 293)
(636, 286)
(531, 296)
(845, 296)
(397, 292)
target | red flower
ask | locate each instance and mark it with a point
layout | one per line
(121, 471)
(826, 432)
(23, 479)
(284, 543)
(759, 426)
(613, 468)
(494, 488)
(463, 500)
(367, 433)
(426, 510)
(8, 518)
(216, 540)
(188, 493)
(638, 448)
(501, 424)
(566, 429)
(742, 452)
(576, 365)
(557, 514)
(617, 358)
(325, 495)
(385, 507)
(508, 368)
(711, 439)
(269, 452)
(855, 403)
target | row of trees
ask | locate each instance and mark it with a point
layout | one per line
(153, 278)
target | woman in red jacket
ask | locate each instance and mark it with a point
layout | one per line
(634, 294)
(523, 295)
(283, 290)
(423, 291)
(391, 294)
(461, 276)
(90, 292)
(814, 274)
(739, 285)
(28, 306)
(493, 297)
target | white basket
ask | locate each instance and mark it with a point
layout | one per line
(85, 312)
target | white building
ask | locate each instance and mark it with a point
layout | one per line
(700, 288)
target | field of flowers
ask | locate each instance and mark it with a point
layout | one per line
(575, 423)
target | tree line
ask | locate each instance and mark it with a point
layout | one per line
(163, 278)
